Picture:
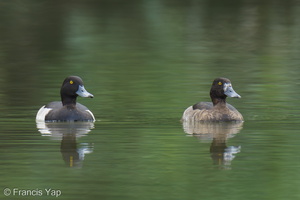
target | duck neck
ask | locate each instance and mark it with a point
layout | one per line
(218, 97)
(219, 101)
(68, 101)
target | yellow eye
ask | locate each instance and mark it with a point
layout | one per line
(71, 82)
(220, 83)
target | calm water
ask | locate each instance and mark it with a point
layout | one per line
(145, 62)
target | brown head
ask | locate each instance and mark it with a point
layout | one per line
(220, 89)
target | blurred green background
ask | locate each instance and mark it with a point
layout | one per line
(145, 62)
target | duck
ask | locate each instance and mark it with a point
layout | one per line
(217, 110)
(67, 109)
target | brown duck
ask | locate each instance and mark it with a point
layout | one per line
(218, 109)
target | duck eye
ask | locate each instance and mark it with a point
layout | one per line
(71, 82)
(220, 83)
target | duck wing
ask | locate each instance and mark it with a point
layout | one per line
(203, 106)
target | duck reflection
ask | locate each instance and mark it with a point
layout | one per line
(68, 132)
(218, 133)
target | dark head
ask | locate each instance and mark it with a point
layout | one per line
(71, 88)
(220, 89)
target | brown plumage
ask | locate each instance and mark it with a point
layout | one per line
(218, 109)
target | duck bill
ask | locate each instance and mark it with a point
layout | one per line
(229, 91)
(83, 93)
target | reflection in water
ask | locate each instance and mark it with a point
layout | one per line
(72, 153)
(218, 132)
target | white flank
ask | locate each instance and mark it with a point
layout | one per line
(41, 114)
(92, 115)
